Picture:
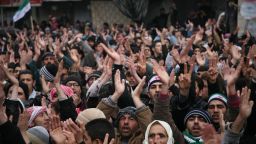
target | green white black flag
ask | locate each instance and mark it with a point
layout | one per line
(23, 9)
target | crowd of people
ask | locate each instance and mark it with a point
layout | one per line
(127, 84)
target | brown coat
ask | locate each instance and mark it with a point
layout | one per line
(162, 112)
(144, 116)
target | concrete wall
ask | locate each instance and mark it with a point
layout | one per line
(105, 11)
(73, 10)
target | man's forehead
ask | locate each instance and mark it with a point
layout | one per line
(157, 83)
(69, 82)
(49, 56)
(216, 102)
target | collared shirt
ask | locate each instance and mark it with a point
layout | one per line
(33, 94)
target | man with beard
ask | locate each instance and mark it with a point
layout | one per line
(217, 106)
(131, 122)
(194, 122)
(48, 58)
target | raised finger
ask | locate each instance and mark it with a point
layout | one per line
(106, 138)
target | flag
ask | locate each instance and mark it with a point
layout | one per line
(24, 8)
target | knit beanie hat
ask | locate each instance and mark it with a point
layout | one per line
(94, 74)
(73, 78)
(38, 135)
(49, 71)
(167, 128)
(127, 110)
(199, 112)
(89, 114)
(47, 54)
(34, 112)
(219, 97)
(153, 79)
(67, 91)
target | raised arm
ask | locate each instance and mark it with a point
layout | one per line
(143, 112)
(162, 103)
(234, 131)
(61, 94)
(10, 76)
(108, 105)
(113, 54)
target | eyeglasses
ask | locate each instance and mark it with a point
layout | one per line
(72, 84)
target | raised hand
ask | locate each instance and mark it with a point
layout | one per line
(23, 121)
(119, 84)
(74, 56)
(113, 54)
(59, 73)
(231, 74)
(200, 59)
(245, 105)
(45, 86)
(185, 80)
(159, 33)
(57, 47)
(106, 139)
(235, 52)
(212, 72)
(107, 67)
(70, 126)
(70, 137)
(61, 94)
(25, 57)
(132, 69)
(138, 90)
(199, 35)
(161, 72)
(142, 63)
(209, 135)
(172, 78)
(119, 87)
(4, 72)
(37, 49)
(56, 131)
(252, 52)
(137, 93)
(176, 55)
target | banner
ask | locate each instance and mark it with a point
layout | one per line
(16, 3)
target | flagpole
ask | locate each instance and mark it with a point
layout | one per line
(31, 21)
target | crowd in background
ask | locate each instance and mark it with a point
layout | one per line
(127, 84)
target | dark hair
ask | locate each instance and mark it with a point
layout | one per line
(22, 85)
(17, 65)
(155, 42)
(26, 72)
(79, 50)
(200, 83)
(97, 129)
(11, 65)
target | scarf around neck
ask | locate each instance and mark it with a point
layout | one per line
(191, 139)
